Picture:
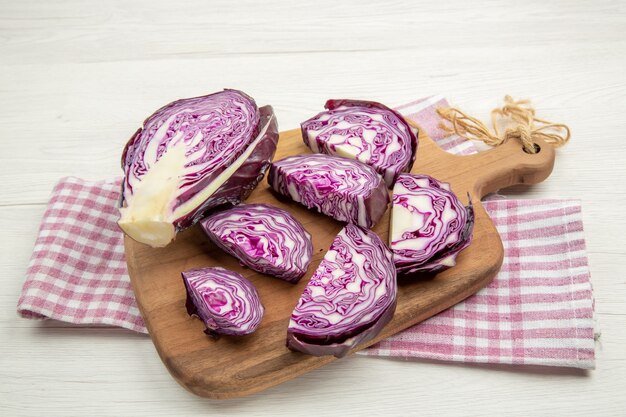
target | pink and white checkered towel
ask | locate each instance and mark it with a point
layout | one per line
(538, 310)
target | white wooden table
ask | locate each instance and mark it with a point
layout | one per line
(77, 78)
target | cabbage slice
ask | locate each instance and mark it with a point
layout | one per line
(429, 225)
(367, 131)
(264, 238)
(350, 297)
(341, 188)
(224, 300)
(190, 156)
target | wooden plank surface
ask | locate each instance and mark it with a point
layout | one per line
(76, 78)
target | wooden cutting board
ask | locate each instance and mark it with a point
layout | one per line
(237, 366)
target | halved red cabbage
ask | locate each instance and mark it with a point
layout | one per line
(344, 189)
(224, 300)
(190, 156)
(366, 131)
(429, 225)
(349, 299)
(264, 238)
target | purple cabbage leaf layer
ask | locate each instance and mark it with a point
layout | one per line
(367, 131)
(264, 238)
(191, 156)
(224, 300)
(429, 225)
(341, 188)
(349, 299)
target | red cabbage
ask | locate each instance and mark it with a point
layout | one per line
(341, 188)
(264, 238)
(349, 299)
(429, 225)
(190, 156)
(366, 131)
(224, 300)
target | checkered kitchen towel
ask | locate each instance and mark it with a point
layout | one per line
(538, 310)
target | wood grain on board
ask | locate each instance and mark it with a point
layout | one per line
(237, 366)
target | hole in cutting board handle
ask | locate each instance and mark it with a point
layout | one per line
(537, 148)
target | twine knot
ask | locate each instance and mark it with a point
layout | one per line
(518, 118)
(523, 134)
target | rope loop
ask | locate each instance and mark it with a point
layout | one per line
(519, 122)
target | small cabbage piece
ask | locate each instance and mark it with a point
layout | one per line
(341, 188)
(190, 156)
(429, 225)
(349, 299)
(264, 238)
(224, 300)
(366, 131)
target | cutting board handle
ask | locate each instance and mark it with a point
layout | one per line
(506, 165)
